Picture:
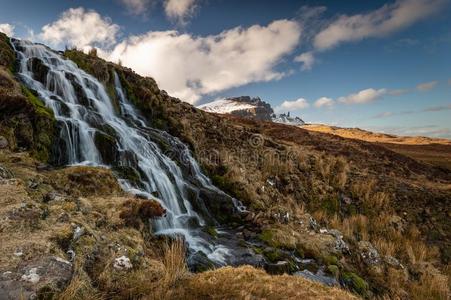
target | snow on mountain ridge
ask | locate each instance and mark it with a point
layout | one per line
(225, 106)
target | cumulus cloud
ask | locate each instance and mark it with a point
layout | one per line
(378, 23)
(300, 103)
(179, 10)
(307, 59)
(7, 29)
(81, 28)
(426, 86)
(364, 96)
(324, 102)
(190, 66)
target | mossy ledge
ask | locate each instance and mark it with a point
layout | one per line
(25, 121)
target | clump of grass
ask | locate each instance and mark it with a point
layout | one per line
(175, 270)
(353, 227)
(174, 263)
(431, 286)
(80, 288)
(136, 210)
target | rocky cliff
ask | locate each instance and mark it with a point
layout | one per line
(244, 106)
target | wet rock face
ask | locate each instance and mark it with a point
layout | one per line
(40, 70)
(107, 147)
(40, 279)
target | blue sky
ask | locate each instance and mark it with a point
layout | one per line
(378, 65)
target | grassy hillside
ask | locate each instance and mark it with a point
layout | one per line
(391, 211)
(430, 150)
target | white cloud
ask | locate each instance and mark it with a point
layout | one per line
(81, 28)
(307, 59)
(324, 102)
(426, 86)
(137, 7)
(381, 22)
(188, 66)
(179, 10)
(300, 103)
(7, 29)
(364, 96)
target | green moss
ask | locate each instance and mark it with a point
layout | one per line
(258, 250)
(272, 255)
(333, 270)
(211, 231)
(330, 260)
(39, 106)
(128, 173)
(299, 252)
(7, 56)
(355, 283)
(331, 205)
(43, 126)
(79, 59)
(267, 236)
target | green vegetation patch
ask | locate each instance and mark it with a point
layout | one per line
(355, 283)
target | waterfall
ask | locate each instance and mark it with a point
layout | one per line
(86, 116)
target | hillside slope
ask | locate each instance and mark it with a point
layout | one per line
(374, 220)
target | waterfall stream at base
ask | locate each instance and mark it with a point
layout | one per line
(85, 115)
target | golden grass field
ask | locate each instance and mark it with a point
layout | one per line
(434, 151)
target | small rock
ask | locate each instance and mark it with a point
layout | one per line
(340, 244)
(313, 224)
(393, 262)
(42, 167)
(18, 253)
(5, 173)
(122, 263)
(31, 276)
(71, 254)
(33, 184)
(3, 142)
(78, 232)
(368, 253)
(52, 196)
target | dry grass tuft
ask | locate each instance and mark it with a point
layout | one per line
(352, 227)
(80, 288)
(431, 286)
(249, 283)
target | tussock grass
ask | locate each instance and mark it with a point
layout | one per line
(249, 283)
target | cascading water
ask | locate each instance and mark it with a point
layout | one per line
(86, 116)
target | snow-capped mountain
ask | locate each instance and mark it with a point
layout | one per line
(244, 106)
(287, 119)
(251, 108)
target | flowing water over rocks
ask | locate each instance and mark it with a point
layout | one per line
(92, 132)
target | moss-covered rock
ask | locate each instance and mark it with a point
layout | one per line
(7, 56)
(356, 283)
